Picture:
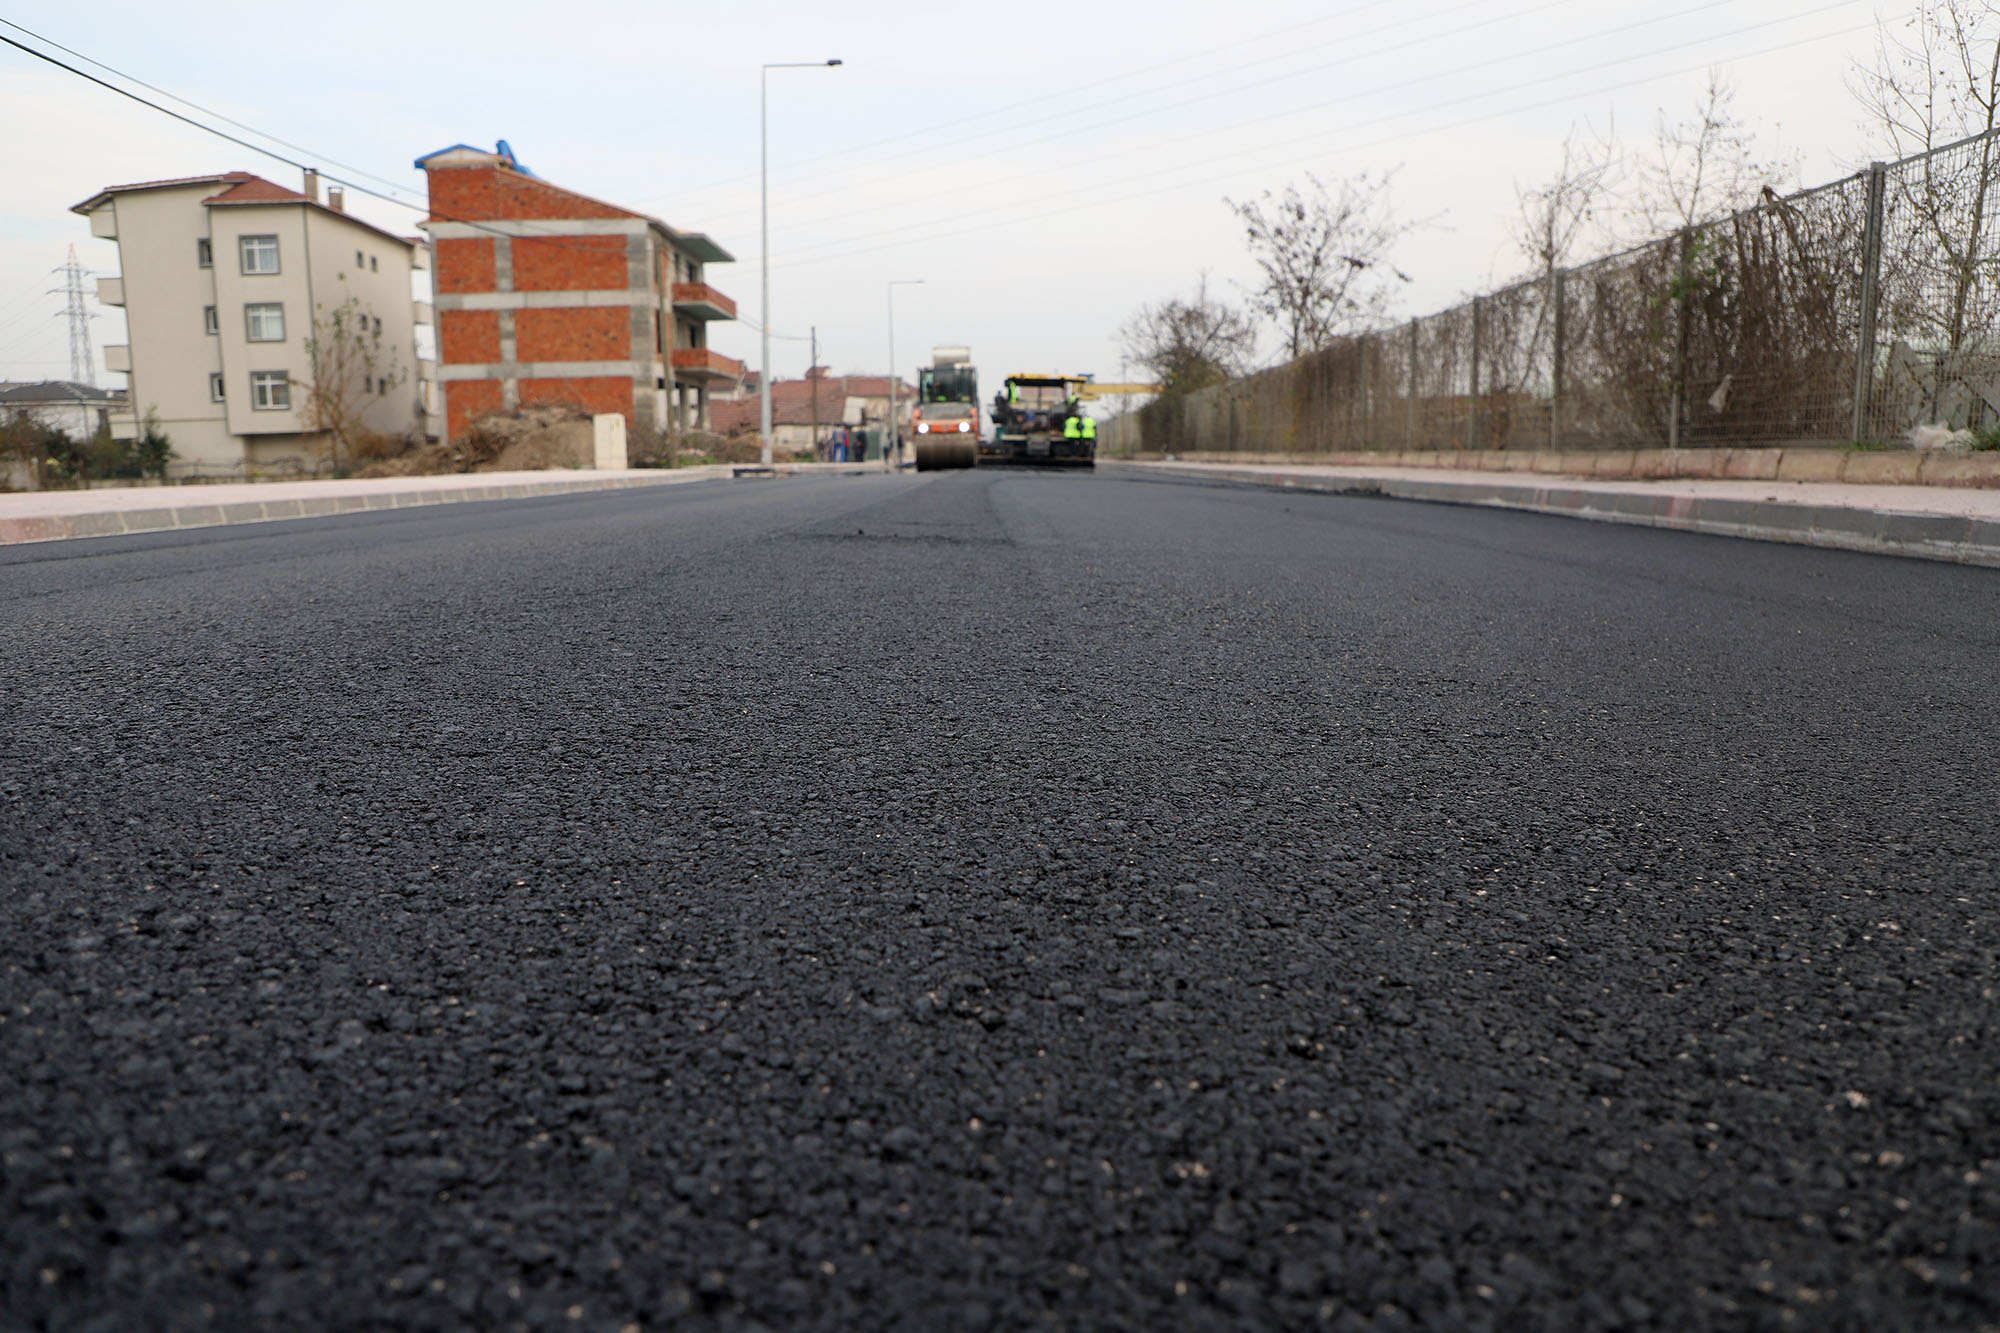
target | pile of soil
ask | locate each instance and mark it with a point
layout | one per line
(545, 435)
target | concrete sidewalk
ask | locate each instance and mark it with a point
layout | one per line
(32, 516)
(1931, 522)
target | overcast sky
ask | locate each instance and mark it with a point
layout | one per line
(1044, 167)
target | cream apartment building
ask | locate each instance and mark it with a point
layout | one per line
(223, 280)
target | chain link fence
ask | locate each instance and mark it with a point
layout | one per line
(1845, 314)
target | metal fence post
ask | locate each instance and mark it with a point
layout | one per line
(1472, 430)
(1361, 372)
(1871, 277)
(1678, 387)
(1410, 426)
(1555, 358)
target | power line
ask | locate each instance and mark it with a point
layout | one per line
(358, 188)
(1387, 139)
(900, 176)
(1236, 128)
(941, 126)
(206, 111)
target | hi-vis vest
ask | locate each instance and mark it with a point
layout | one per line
(1072, 430)
(1089, 427)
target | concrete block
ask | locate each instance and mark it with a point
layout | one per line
(1577, 462)
(1752, 464)
(148, 520)
(1856, 527)
(33, 529)
(250, 511)
(316, 506)
(1614, 463)
(1884, 467)
(1980, 469)
(1811, 464)
(1785, 518)
(607, 442)
(198, 516)
(97, 525)
(1982, 541)
(1734, 515)
(1933, 533)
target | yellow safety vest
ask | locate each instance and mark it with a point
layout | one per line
(1089, 427)
(1071, 430)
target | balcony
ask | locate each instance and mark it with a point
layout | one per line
(698, 365)
(420, 312)
(118, 356)
(698, 300)
(104, 224)
(111, 291)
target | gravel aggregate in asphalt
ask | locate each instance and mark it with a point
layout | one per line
(991, 901)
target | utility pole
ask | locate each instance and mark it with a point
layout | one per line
(812, 374)
(80, 371)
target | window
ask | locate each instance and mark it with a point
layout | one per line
(357, 259)
(260, 253)
(373, 267)
(270, 390)
(378, 326)
(215, 387)
(208, 324)
(264, 322)
(204, 253)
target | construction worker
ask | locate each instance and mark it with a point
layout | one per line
(1089, 426)
(1072, 429)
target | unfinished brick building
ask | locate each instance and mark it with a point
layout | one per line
(545, 295)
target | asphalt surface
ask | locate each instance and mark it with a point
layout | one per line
(994, 901)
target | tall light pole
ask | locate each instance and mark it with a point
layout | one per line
(893, 434)
(764, 208)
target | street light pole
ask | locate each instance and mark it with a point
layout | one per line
(893, 433)
(764, 211)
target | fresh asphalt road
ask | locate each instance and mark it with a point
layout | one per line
(994, 900)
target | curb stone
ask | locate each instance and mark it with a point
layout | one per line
(1948, 537)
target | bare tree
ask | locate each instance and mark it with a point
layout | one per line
(1936, 83)
(1555, 215)
(1931, 85)
(1186, 345)
(1324, 255)
(1705, 167)
(348, 371)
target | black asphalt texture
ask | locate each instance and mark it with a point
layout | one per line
(994, 900)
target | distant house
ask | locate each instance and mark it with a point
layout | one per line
(77, 410)
(224, 280)
(830, 400)
(547, 295)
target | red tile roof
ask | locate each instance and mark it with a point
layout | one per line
(250, 189)
(792, 402)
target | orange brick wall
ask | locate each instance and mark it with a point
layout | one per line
(465, 264)
(466, 399)
(605, 393)
(468, 336)
(573, 333)
(462, 194)
(569, 263)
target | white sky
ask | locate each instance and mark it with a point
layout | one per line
(1045, 167)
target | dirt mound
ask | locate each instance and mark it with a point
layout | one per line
(545, 435)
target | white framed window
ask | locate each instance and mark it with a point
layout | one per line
(204, 253)
(264, 321)
(260, 253)
(270, 391)
(215, 386)
(208, 324)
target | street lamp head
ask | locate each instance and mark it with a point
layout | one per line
(833, 62)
